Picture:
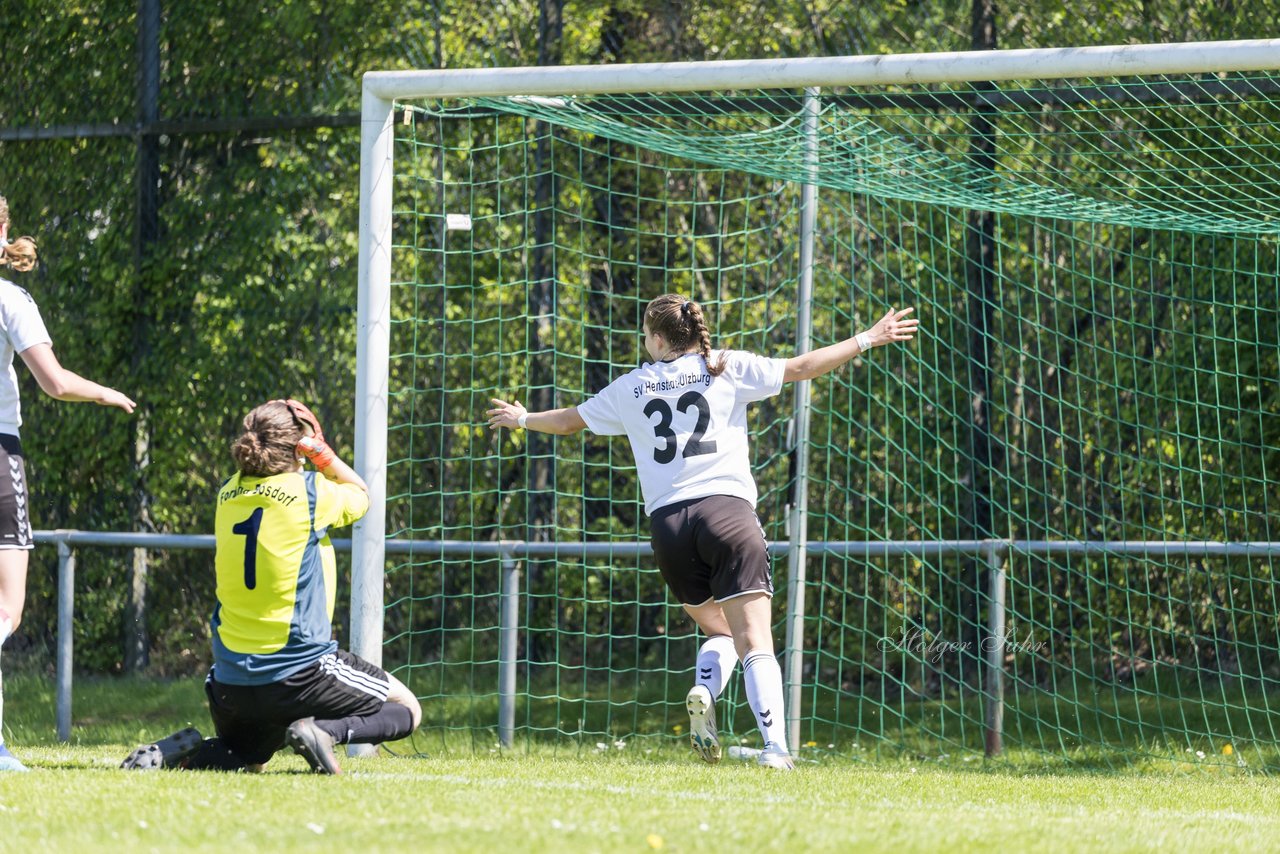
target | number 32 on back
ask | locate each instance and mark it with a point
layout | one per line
(695, 446)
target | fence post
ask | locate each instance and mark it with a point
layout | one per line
(66, 628)
(508, 640)
(995, 555)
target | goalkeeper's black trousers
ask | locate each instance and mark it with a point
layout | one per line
(393, 721)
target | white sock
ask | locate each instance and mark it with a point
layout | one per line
(764, 693)
(716, 660)
(6, 626)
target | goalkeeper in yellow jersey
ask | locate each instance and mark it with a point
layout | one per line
(278, 677)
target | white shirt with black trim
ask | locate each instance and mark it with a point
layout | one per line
(22, 329)
(687, 429)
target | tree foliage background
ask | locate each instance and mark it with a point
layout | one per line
(247, 290)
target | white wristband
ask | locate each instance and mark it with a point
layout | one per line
(523, 421)
(864, 341)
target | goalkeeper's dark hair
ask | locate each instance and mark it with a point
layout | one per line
(269, 443)
(682, 325)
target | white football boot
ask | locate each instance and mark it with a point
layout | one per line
(703, 737)
(774, 756)
(9, 762)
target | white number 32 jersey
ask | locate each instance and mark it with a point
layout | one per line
(688, 429)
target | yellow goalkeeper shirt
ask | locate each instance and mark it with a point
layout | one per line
(276, 573)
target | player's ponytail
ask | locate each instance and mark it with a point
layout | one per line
(681, 322)
(699, 323)
(268, 444)
(21, 254)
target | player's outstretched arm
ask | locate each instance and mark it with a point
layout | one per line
(894, 326)
(562, 422)
(61, 384)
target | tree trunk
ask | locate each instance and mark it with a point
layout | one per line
(541, 319)
(980, 284)
(147, 231)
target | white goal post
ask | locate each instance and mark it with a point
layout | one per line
(382, 88)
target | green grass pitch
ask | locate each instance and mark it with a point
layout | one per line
(536, 799)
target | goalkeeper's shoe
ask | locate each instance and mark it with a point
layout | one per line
(170, 752)
(776, 756)
(702, 724)
(9, 762)
(314, 745)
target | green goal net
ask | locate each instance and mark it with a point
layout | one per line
(1085, 437)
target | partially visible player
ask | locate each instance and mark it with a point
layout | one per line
(22, 331)
(685, 416)
(278, 677)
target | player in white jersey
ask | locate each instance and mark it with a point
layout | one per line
(22, 331)
(685, 417)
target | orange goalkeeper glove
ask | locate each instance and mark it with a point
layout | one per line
(315, 450)
(304, 416)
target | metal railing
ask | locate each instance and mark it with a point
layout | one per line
(993, 552)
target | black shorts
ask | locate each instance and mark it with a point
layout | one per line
(15, 523)
(252, 719)
(711, 548)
